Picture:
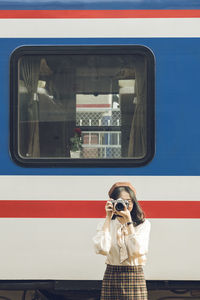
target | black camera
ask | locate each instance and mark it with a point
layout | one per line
(120, 204)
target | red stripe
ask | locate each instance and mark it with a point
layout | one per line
(93, 105)
(93, 209)
(82, 14)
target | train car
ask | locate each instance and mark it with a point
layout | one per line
(94, 92)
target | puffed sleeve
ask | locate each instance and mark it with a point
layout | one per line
(102, 240)
(137, 243)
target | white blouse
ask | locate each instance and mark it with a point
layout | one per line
(122, 248)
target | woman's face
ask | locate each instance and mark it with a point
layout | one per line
(125, 196)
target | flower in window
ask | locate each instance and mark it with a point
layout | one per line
(76, 140)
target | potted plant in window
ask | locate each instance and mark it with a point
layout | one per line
(76, 144)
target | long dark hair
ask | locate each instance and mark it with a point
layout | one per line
(137, 214)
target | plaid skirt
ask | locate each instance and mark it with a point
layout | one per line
(124, 283)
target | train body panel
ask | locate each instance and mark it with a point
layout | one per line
(57, 249)
(176, 118)
(98, 5)
(180, 156)
(48, 215)
(50, 245)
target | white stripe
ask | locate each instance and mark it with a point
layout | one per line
(63, 249)
(174, 250)
(84, 28)
(96, 187)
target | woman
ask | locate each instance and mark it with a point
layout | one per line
(123, 239)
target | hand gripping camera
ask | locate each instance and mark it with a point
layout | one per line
(120, 204)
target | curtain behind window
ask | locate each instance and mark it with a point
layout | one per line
(137, 147)
(30, 68)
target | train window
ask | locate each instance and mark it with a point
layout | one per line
(82, 106)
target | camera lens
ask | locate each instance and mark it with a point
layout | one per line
(119, 206)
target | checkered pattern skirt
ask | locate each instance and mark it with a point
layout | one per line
(124, 283)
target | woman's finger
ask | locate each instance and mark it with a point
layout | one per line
(109, 202)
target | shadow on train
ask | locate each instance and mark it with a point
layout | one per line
(90, 290)
(155, 294)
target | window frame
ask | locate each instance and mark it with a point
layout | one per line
(81, 50)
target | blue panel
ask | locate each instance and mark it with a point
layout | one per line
(177, 107)
(100, 4)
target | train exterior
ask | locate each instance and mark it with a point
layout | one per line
(95, 92)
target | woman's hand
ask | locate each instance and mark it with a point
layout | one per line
(109, 209)
(124, 213)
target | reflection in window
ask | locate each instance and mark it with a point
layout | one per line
(82, 106)
(100, 117)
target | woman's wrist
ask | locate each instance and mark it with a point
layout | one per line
(128, 219)
(106, 225)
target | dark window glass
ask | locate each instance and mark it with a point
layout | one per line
(95, 105)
